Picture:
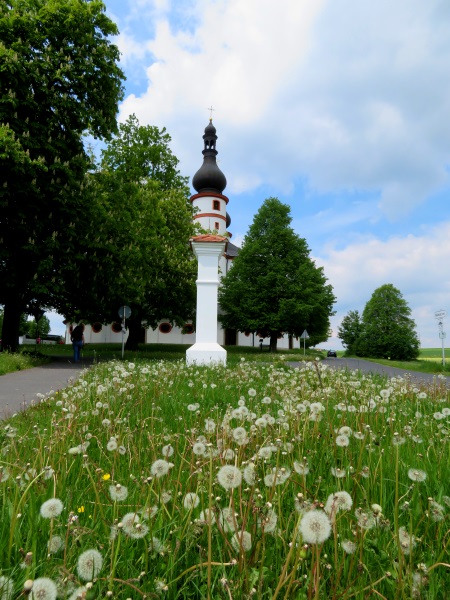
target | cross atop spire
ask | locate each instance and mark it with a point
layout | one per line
(211, 109)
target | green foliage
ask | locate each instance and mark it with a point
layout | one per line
(136, 248)
(350, 330)
(58, 79)
(95, 447)
(386, 329)
(274, 286)
(39, 328)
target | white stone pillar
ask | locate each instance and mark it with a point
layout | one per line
(208, 249)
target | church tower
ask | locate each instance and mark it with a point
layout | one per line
(209, 183)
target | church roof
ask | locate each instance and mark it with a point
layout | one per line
(209, 178)
(232, 250)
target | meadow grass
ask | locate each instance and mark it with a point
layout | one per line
(10, 362)
(155, 479)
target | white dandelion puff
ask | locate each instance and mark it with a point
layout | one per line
(118, 492)
(6, 588)
(301, 468)
(43, 589)
(191, 500)
(242, 540)
(160, 467)
(315, 527)
(338, 501)
(229, 477)
(89, 564)
(417, 475)
(55, 544)
(51, 508)
(348, 546)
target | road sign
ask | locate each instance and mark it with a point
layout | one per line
(304, 335)
(440, 314)
(124, 312)
(442, 335)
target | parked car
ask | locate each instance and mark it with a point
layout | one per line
(331, 354)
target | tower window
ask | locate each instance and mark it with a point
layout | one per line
(216, 226)
(216, 204)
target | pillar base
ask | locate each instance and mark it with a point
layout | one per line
(208, 353)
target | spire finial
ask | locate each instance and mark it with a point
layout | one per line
(211, 109)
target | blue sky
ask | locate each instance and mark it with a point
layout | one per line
(340, 108)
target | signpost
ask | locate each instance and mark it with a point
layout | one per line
(124, 313)
(304, 337)
(440, 316)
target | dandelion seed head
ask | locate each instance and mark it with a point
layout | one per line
(191, 500)
(417, 475)
(242, 540)
(229, 477)
(89, 564)
(160, 467)
(315, 527)
(51, 508)
(43, 589)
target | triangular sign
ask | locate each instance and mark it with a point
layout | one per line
(304, 335)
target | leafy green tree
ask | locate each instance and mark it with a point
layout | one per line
(274, 286)
(136, 249)
(388, 330)
(23, 325)
(58, 79)
(350, 331)
(39, 328)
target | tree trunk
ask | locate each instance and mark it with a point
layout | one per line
(273, 342)
(134, 331)
(11, 324)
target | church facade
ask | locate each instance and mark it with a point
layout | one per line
(211, 214)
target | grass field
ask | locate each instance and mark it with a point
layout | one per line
(152, 479)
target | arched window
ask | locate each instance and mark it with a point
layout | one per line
(116, 327)
(188, 328)
(96, 327)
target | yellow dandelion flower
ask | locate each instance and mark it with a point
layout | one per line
(106, 476)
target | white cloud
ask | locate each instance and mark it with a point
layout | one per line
(351, 95)
(416, 265)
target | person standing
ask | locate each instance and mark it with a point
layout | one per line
(77, 339)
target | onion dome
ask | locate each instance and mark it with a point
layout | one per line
(228, 220)
(209, 178)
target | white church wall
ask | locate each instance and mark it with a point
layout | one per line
(164, 335)
(99, 334)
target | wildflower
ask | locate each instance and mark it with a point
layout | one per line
(345, 430)
(277, 477)
(157, 545)
(118, 492)
(227, 520)
(89, 564)
(132, 526)
(51, 508)
(167, 451)
(210, 425)
(55, 544)
(269, 521)
(407, 542)
(160, 467)
(43, 589)
(4, 475)
(301, 468)
(336, 502)
(266, 451)
(106, 476)
(365, 520)
(207, 516)
(149, 512)
(240, 435)
(6, 588)
(199, 448)
(228, 454)
(417, 475)
(252, 392)
(166, 497)
(348, 547)
(242, 540)
(112, 445)
(342, 440)
(229, 477)
(315, 527)
(249, 474)
(80, 592)
(338, 472)
(191, 500)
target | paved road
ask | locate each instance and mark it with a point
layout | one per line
(20, 389)
(372, 367)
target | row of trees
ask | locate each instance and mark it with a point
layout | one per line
(384, 329)
(83, 235)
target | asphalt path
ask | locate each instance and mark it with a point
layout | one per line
(22, 389)
(367, 366)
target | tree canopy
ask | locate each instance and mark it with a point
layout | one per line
(59, 78)
(386, 329)
(350, 331)
(136, 249)
(274, 287)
